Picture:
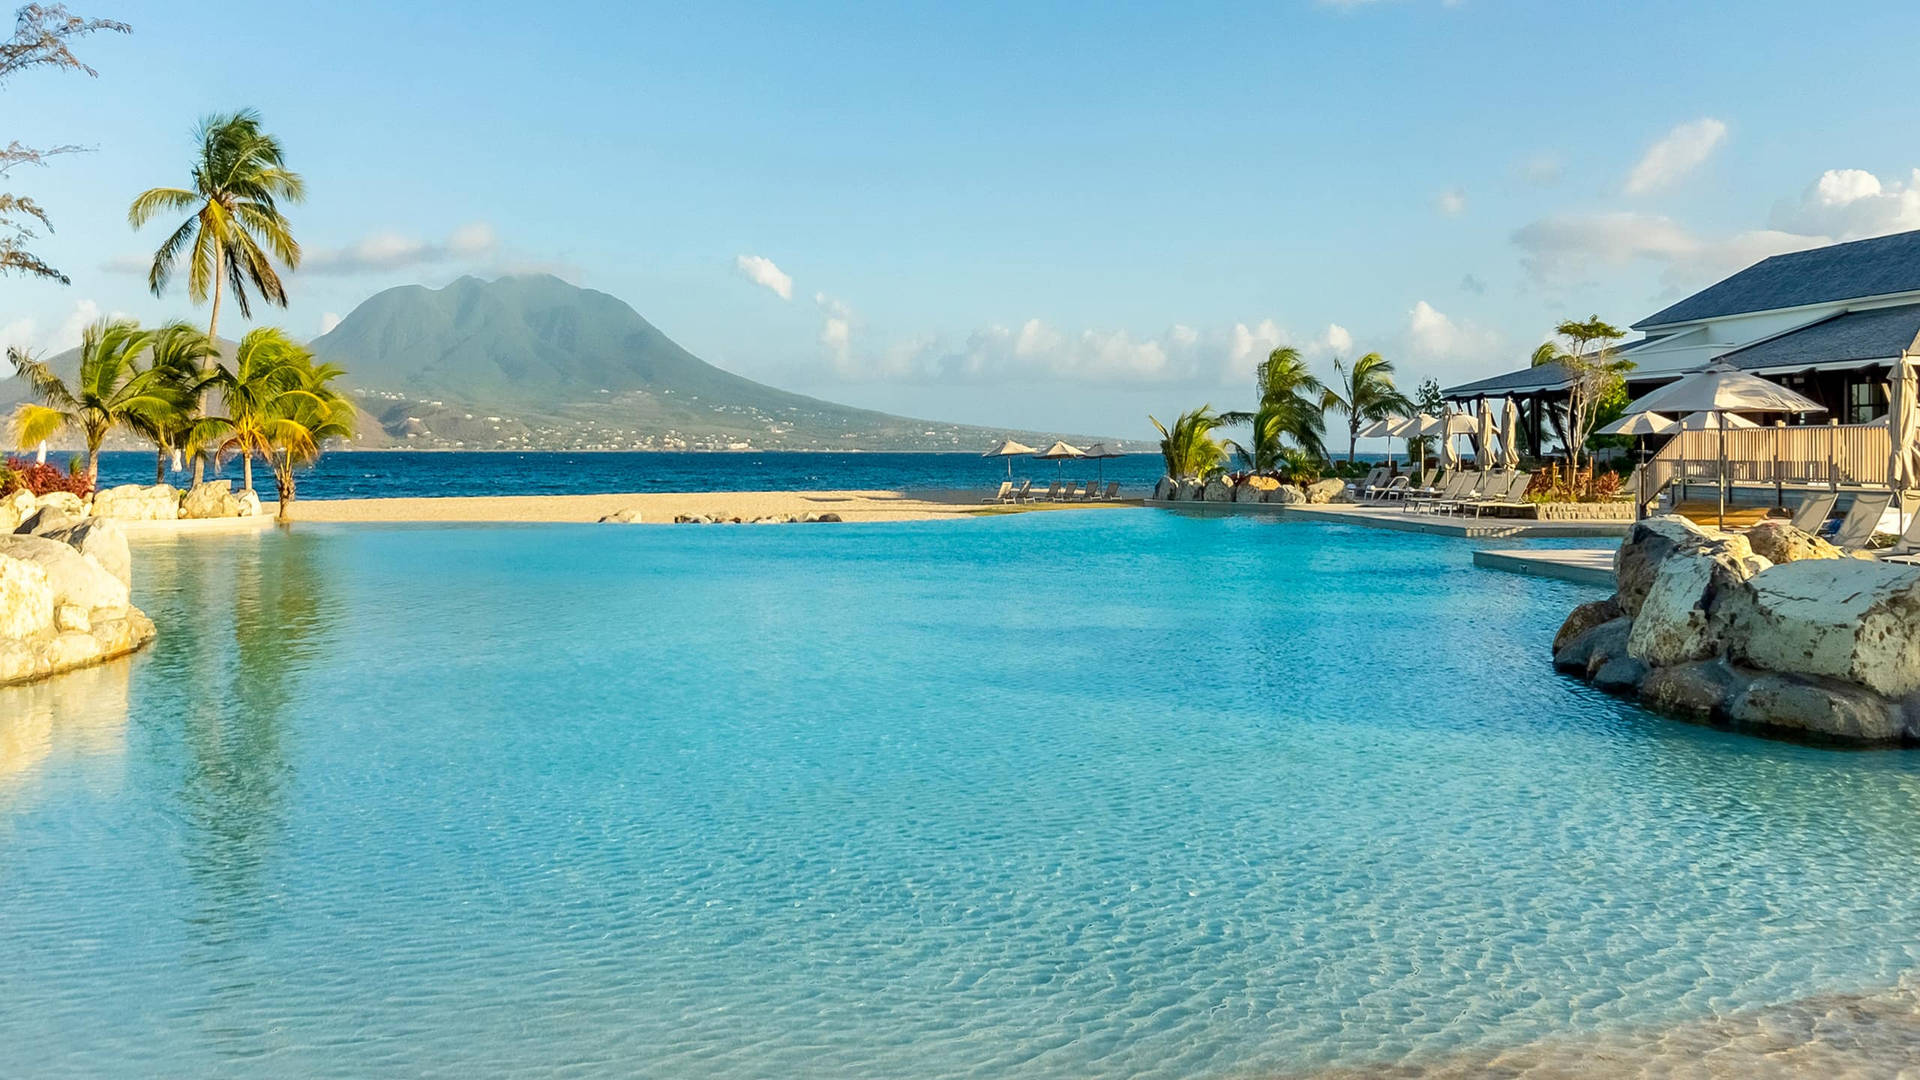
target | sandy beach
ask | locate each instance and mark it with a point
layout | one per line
(661, 507)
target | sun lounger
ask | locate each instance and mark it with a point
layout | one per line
(1862, 519)
(1516, 487)
(1023, 493)
(1092, 494)
(1375, 479)
(1426, 488)
(1907, 548)
(1393, 489)
(1053, 493)
(1005, 494)
(1455, 486)
(1113, 491)
(1492, 487)
(1813, 512)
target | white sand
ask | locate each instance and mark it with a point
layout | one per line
(656, 507)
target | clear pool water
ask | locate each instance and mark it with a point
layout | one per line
(1061, 795)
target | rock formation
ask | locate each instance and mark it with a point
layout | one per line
(64, 591)
(1706, 624)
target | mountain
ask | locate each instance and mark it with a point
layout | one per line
(534, 362)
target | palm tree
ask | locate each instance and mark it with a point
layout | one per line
(267, 367)
(1265, 451)
(307, 417)
(1366, 393)
(112, 390)
(1189, 448)
(178, 353)
(235, 230)
(1287, 385)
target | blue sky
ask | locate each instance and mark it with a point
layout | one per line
(1061, 217)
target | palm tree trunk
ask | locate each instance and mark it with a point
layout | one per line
(206, 368)
(1353, 440)
(160, 465)
(246, 470)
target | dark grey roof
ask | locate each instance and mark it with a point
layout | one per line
(1873, 334)
(1528, 379)
(1881, 266)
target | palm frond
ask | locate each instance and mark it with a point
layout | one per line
(32, 425)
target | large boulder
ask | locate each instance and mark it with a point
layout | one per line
(1325, 491)
(1677, 620)
(1589, 651)
(1191, 489)
(100, 540)
(1779, 542)
(131, 502)
(1584, 618)
(26, 600)
(1699, 689)
(1819, 707)
(1646, 546)
(1218, 490)
(246, 504)
(211, 499)
(1165, 489)
(45, 520)
(15, 507)
(74, 578)
(1287, 495)
(64, 501)
(1247, 493)
(1846, 619)
(628, 516)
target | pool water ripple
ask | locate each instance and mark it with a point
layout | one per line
(1116, 794)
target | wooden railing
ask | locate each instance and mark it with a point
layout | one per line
(1832, 455)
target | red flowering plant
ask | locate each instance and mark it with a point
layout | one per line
(41, 479)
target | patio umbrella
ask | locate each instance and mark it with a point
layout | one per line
(1483, 437)
(1060, 452)
(1409, 429)
(1510, 433)
(1446, 427)
(1901, 388)
(1710, 419)
(1722, 388)
(1009, 450)
(1641, 425)
(1384, 428)
(1100, 452)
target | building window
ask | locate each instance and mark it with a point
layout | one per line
(1866, 401)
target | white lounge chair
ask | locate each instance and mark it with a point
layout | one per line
(1392, 489)
(1862, 519)
(1516, 487)
(1455, 486)
(1375, 478)
(1814, 511)
(1907, 548)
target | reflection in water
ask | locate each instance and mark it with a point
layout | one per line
(80, 713)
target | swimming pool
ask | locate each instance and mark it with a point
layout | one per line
(1052, 795)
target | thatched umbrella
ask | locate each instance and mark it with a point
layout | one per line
(1009, 450)
(1641, 425)
(1061, 452)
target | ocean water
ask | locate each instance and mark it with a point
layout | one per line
(394, 473)
(1116, 794)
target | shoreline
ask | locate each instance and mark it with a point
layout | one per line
(661, 507)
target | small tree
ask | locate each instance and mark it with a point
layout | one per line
(112, 391)
(1189, 448)
(1596, 375)
(40, 36)
(1365, 393)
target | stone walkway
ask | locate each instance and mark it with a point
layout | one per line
(1585, 566)
(1394, 517)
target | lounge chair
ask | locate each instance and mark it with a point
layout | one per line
(1023, 493)
(1492, 486)
(1814, 511)
(1516, 487)
(1092, 494)
(1375, 478)
(1456, 485)
(1427, 488)
(1907, 548)
(1053, 493)
(1857, 528)
(1394, 489)
(1005, 494)
(1113, 492)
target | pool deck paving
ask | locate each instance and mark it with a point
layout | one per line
(1583, 566)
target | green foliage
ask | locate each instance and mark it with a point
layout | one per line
(1365, 394)
(1189, 448)
(1300, 467)
(1288, 387)
(235, 231)
(1262, 453)
(1596, 374)
(112, 392)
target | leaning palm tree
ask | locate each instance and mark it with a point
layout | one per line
(267, 366)
(235, 230)
(111, 391)
(306, 417)
(1288, 386)
(1365, 393)
(1265, 451)
(1189, 448)
(178, 354)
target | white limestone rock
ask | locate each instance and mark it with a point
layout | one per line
(1677, 622)
(1325, 491)
(64, 501)
(1166, 489)
(1847, 619)
(131, 502)
(1287, 495)
(1218, 490)
(629, 516)
(100, 540)
(73, 577)
(1646, 546)
(1820, 707)
(210, 499)
(26, 600)
(246, 504)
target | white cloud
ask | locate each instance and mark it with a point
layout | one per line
(1336, 339)
(1543, 170)
(760, 270)
(27, 333)
(1451, 202)
(1676, 154)
(1851, 204)
(1433, 335)
(1567, 249)
(329, 320)
(396, 251)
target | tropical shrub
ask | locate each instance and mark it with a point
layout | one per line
(42, 479)
(1558, 482)
(1189, 448)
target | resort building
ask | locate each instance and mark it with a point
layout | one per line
(1832, 323)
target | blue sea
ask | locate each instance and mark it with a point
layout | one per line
(1086, 794)
(395, 473)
